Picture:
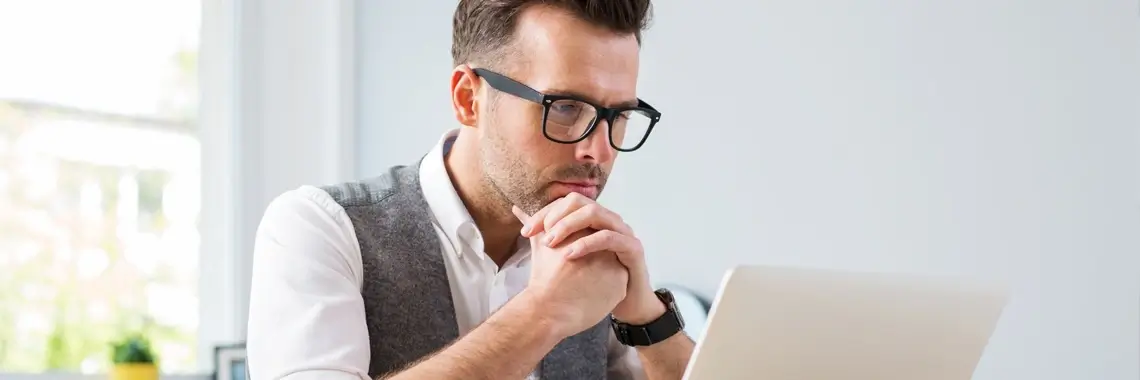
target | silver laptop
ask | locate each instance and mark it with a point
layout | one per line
(788, 323)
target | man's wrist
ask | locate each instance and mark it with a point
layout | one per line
(555, 325)
(649, 309)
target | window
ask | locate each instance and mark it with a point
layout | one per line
(99, 182)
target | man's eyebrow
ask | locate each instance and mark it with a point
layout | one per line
(589, 99)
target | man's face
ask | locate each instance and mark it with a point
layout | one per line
(556, 53)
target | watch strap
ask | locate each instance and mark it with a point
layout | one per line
(664, 327)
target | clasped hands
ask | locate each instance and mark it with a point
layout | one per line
(587, 260)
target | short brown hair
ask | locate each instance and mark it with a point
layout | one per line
(482, 27)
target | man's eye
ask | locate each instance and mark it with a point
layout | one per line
(566, 108)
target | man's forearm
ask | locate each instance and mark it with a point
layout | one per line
(508, 345)
(667, 360)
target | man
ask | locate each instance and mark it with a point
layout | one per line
(489, 258)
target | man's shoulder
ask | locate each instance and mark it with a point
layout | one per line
(376, 189)
(303, 203)
(305, 225)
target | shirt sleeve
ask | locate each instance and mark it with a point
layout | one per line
(623, 363)
(306, 314)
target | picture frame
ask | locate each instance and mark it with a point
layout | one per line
(229, 362)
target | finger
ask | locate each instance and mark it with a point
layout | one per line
(627, 248)
(528, 229)
(524, 218)
(572, 202)
(552, 212)
(519, 213)
(589, 216)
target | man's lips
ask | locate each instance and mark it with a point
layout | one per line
(578, 183)
(587, 188)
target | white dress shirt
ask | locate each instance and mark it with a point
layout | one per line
(306, 315)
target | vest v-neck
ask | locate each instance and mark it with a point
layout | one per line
(408, 303)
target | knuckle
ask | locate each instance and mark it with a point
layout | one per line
(591, 209)
(609, 236)
(582, 200)
(573, 197)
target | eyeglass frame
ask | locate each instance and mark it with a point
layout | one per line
(510, 86)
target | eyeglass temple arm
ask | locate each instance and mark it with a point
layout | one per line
(508, 85)
(643, 104)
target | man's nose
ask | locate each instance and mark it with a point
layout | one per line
(596, 147)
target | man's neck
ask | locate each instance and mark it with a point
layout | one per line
(499, 228)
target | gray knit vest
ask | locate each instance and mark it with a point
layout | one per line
(407, 297)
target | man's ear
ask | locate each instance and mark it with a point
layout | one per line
(464, 88)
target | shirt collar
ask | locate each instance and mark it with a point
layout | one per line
(449, 210)
(444, 201)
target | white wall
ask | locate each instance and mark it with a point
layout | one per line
(404, 55)
(985, 138)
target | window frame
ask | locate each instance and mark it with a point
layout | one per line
(248, 104)
(218, 267)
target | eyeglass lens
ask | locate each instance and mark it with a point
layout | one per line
(567, 120)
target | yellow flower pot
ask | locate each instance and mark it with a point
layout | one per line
(134, 372)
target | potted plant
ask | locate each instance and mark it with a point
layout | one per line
(133, 359)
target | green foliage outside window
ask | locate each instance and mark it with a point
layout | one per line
(68, 289)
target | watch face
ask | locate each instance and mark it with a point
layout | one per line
(692, 309)
(670, 302)
(680, 317)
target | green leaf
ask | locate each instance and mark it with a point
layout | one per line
(135, 349)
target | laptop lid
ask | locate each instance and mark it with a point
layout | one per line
(805, 324)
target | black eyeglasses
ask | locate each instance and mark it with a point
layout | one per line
(569, 120)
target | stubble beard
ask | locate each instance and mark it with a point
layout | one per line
(510, 181)
(513, 183)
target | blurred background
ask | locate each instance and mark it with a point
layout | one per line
(99, 181)
(141, 140)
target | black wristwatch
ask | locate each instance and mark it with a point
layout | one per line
(662, 328)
